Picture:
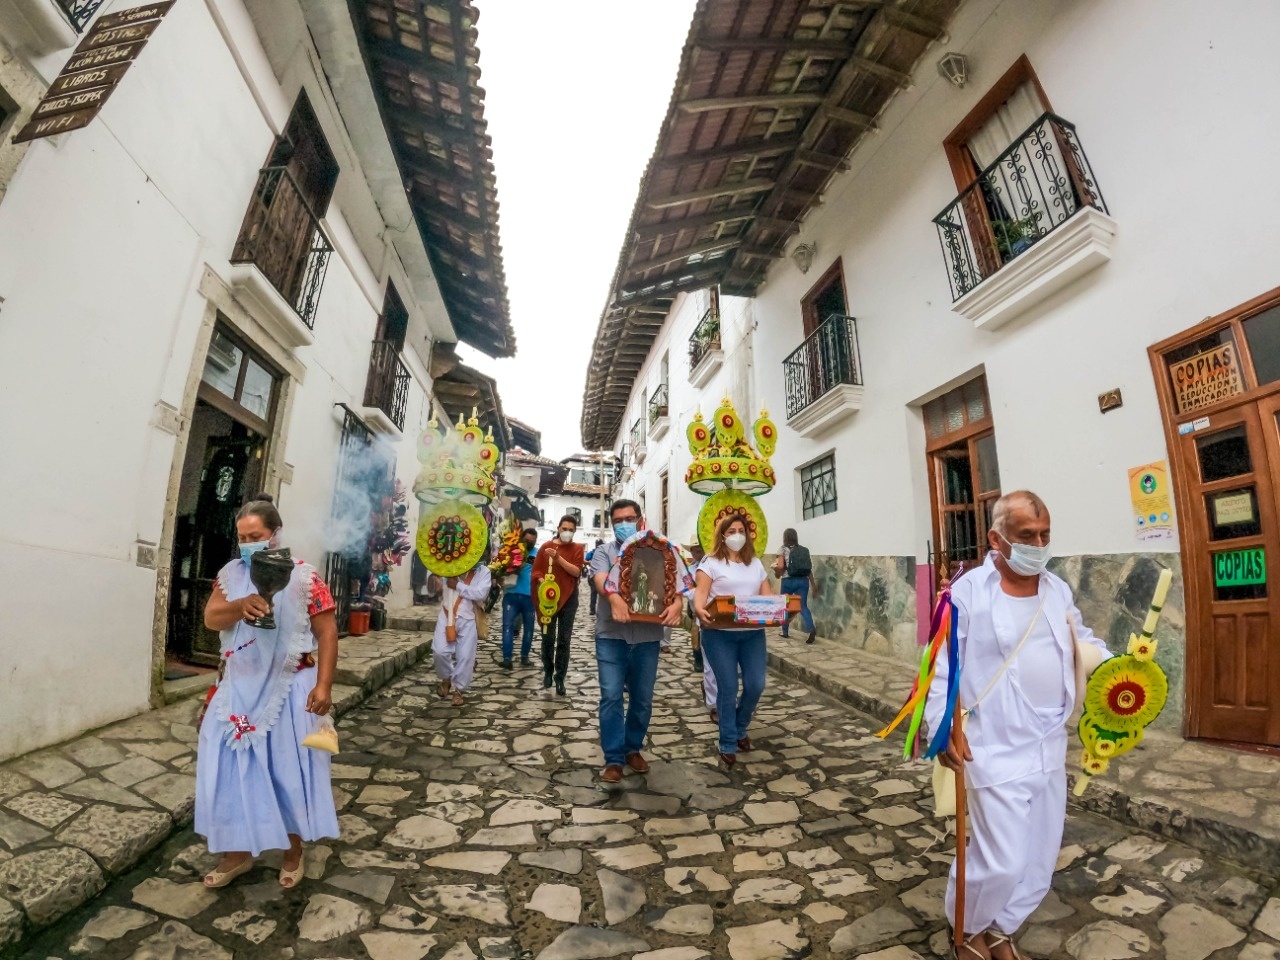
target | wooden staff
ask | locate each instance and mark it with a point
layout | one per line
(961, 831)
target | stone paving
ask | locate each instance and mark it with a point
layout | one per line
(72, 816)
(481, 832)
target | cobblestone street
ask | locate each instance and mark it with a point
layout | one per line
(481, 832)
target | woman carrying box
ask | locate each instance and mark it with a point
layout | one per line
(732, 570)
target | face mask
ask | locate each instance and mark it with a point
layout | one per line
(1025, 559)
(624, 531)
(735, 541)
(247, 550)
(566, 536)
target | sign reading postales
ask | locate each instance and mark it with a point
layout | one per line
(1206, 378)
(94, 70)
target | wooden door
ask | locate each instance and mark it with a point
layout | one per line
(1231, 512)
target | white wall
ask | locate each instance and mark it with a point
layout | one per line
(104, 234)
(1174, 105)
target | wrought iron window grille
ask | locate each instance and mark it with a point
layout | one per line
(705, 337)
(658, 403)
(1033, 187)
(79, 12)
(282, 237)
(637, 433)
(818, 487)
(827, 358)
(388, 385)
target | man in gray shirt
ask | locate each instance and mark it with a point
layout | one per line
(626, 654)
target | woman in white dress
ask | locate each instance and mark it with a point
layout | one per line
(257, 787)
(732, 570)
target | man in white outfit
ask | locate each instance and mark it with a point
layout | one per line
(456, 660)
(1017, 657)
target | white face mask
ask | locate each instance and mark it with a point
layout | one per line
(735, 541)
(566, 536)
(1025, 559)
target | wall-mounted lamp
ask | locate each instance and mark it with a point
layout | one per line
(955, 67)
(803, 255)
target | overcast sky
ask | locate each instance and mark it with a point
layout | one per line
(574, 96)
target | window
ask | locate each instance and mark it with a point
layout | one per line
(665, 515)
(8, 110)
(964, 475)
(818, 487)
(664, 370)
(576, 513)
(597, 521)
(237, 382)
(825, 299)
(387, 385)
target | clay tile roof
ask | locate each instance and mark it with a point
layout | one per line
(770, 99)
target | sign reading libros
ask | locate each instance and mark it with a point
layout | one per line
(94, 70)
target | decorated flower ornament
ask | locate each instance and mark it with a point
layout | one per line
(455, 481)
(730, 472)
(1122, 697)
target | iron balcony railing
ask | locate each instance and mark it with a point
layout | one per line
(281, 236)
(79, 12)
(705, 337)
(637, 434)
(1039, 181)
(828, 358)
(658, 404)
(388, 385)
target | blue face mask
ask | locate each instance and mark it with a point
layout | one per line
(247, 550)
(624, 531)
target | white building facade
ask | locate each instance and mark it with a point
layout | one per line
(1064, 324)
(219, 286)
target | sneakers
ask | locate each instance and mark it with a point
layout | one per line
(612, 773)
(638, 763)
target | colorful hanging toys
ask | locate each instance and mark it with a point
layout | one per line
(730, 472)
(455, 481)
(1123, 695)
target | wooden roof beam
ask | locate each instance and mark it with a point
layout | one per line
(775, 100)
(850, 117)
(912, 23)
(710, 193)
(733, 151)
(877, 69)
(675, 256)
(827, 161)
(739, 211)
(693, 282)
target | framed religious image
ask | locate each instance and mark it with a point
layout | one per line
(647, 579)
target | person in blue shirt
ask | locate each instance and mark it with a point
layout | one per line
(586, 572)
(517, 602)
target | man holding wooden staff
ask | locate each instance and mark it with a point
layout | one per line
(1016, 650)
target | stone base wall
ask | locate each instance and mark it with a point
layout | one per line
(870, 603)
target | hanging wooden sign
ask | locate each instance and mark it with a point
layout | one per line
(91, 75)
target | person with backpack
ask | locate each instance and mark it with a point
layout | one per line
(795, 567)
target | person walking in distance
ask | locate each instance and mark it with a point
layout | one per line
(517, 603)
(595, 594)
(626, 656)
(457, 633)
(1016, 650)
(564, 559)
(795, 568)
(732, 570)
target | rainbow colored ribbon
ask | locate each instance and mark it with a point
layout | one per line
(942, 632)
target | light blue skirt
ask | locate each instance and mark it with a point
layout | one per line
(253, 799)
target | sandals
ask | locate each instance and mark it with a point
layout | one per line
(442, 691)
(995, 938)
(216, 879)
(291, 878)
(457, 698)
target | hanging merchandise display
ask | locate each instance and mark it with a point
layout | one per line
(730, 472)
(456, 480)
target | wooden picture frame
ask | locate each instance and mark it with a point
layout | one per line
(647, 580)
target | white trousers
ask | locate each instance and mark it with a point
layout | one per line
(709, 687)
(1015, 834)
(455, 662)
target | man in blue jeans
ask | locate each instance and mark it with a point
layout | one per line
(517, 602)
(626, 654)
(795, 567)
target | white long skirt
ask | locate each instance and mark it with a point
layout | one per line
(253, 799)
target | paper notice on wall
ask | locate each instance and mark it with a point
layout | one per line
(1152, 507)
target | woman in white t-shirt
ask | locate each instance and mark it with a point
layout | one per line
(732, 570)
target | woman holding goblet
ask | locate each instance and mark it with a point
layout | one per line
(257, 787)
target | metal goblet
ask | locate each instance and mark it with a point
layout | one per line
(270, 571)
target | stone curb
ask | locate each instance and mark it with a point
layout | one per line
(1104, 797)
(67, 889)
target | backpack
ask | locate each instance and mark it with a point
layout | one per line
(798, 562)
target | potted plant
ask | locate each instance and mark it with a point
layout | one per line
(1014, 236)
